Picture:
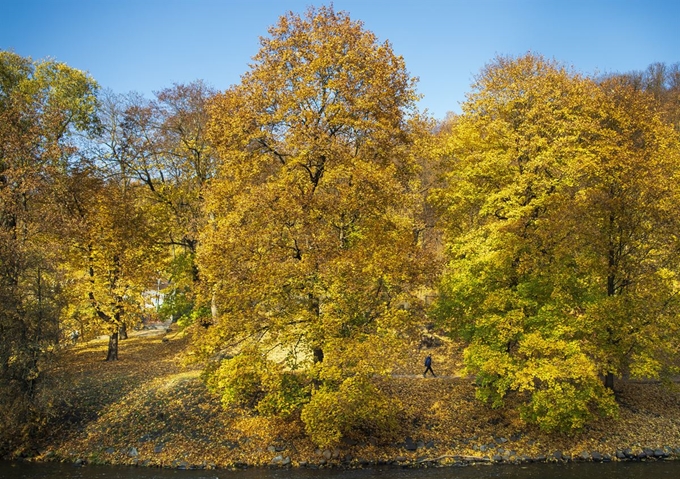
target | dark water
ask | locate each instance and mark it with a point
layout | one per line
(637, 470)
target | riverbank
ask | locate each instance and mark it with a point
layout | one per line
(151, 409)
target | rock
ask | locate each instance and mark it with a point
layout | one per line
(158, 449)
(336, 453)
(557, 455)
(327, 454)
(585, 456)
(620, 455)
(497, 458)
(277, 459)
(409, 445)
(286, 461)
(540, 458)
(483, 448)
(596, 456)
(628, 453)
(607, 458)
(429, 444)
(109, 450)
(132, 452)
(400, 459)
(420, 445)
(660, 453)
(79, 462)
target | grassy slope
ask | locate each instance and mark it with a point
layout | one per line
(150, 402)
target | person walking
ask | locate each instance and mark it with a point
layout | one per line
(428, 366)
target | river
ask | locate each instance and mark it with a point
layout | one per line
(619, 470)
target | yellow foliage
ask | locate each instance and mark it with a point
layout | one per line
(560, 237)
(311, 253)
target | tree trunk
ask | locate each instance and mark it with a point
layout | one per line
(609, 381)
(318, 355)
(214, 311)
(122, 332)
(113, 347)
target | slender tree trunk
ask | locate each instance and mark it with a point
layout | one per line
(611, 291)
(214, 311)
(315, 309)
(122, 332)
(609, 381)
(112, 355)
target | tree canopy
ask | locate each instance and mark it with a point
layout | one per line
(562, 243)
(311, 248)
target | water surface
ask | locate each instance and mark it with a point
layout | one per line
(624, 470)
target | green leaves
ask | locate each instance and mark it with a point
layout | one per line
(559, 240)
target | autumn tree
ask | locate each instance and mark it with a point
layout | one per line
(161, 144)
(628, 228)
(312, 248)
(114, 254)
(114, 230)
(43, 104)
(660, 80)
(544, 166)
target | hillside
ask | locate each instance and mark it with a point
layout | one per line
(149, 409)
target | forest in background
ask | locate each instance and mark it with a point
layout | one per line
(306, 224)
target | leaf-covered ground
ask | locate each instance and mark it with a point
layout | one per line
(150, 409)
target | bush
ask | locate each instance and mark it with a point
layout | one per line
(260, 385)
(355, 410)
(238, 381)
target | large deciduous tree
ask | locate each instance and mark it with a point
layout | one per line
(312, 248)
(115, 254)
(42, 105)
(561, 239)
(162, 145)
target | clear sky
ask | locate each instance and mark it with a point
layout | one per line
(147, 45)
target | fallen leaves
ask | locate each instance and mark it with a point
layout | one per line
(149, 409)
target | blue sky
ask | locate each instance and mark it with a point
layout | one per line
(147, 45)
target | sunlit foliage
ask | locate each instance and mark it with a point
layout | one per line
(561, 238)
(312, 248)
